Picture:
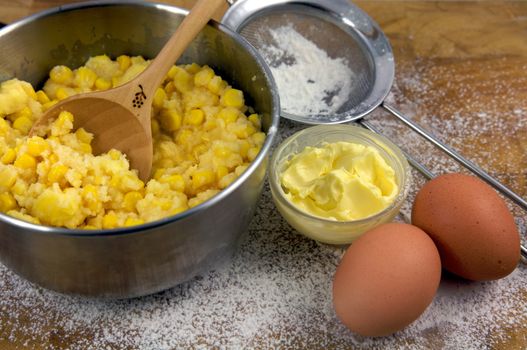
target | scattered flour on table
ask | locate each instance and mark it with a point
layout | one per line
(309, 81)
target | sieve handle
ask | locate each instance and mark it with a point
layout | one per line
(454, 154)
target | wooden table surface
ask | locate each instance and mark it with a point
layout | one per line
(461, 71)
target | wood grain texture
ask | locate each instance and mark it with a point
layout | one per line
(461, 71)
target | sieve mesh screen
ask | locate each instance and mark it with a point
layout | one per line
(351, 85)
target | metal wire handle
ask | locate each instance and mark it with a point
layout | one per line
(452, 153)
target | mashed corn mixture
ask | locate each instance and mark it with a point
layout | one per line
(204, 138)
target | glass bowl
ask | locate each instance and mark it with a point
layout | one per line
(327, 230)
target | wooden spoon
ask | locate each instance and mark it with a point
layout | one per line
(120, 117)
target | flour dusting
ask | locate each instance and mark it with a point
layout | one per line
(309, 81)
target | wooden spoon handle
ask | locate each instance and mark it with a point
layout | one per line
(192, 24)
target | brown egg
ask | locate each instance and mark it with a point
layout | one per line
(471, 226)
(386, 279)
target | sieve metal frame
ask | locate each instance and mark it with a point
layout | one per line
(354, 22)
(354, 18)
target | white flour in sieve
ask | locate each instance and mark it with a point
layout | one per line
(309, 81)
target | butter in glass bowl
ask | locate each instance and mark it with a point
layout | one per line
(334, 182)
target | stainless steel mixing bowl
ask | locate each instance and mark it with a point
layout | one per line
(135, 261)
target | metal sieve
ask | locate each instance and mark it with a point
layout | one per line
(347, 33)
(342, 31)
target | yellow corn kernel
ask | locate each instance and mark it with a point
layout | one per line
(195, 117)
(54, 139)
(170, 88)
(109, 221)
(210, 124)
(130, 199)
(102, 84)
(193, 68)
(199, 150)
(124, 62)
(24, 217)
(258, 138)
(7, 202)
(114, 154)
(158, 173)
(233, 98)
(116, 81)
(130, 183)
(61, 75)
(159, 98)
(176, 182)
(252, 153)
(36, 145)
(244, 131)
(244, 147)
(53, 158)
(85, 148)
(173, 71)
(74, 178)
(9, 156)
(178, 210)
(28, 89)
(154, 126)
(58, 208)
(228, 114)
(56, 173)
(61, 94)
(89, 192)
(255, 120)
(226, 180)
(84, 136)
(25, 161)
(240, 169)
(221, 171)
(19, 188)
(24, 112)
(170, 119)
(8, 177)
(65, 119)
(216, 85)
(222, 152)
(115, 181)
(49, 104)
(88, 227)
(183, 81)
(61, 126)
(4, 126)
(166, 163)
(133, 222)
(165, 204)
(203, 77)
(91, 197)
(85, 77)
(203, 177)
(42, 97)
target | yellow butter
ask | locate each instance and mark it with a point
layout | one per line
(340, 181)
